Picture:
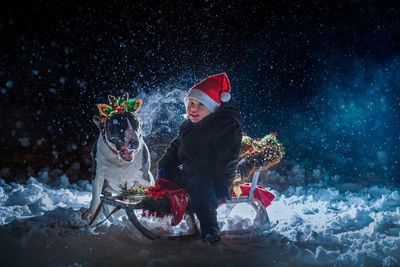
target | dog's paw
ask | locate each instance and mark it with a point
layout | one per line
(87, 215)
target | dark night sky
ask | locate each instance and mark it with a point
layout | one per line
(324, 74)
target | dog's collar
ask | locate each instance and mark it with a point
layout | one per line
(115, 152)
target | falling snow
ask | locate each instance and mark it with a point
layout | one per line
(324, 75)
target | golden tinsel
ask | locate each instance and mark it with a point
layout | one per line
(259, 154)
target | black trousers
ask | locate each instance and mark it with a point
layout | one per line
(203, 200)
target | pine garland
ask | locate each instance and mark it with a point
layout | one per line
(259, 153)
(151, 205)
(136, 190)
(155, 206)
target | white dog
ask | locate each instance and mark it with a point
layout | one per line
(120, 154)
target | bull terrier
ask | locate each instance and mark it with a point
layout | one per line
(120, 154)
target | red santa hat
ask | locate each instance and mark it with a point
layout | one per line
(211, 91)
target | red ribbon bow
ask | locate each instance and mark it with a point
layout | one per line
(260, 193)
(178, 198)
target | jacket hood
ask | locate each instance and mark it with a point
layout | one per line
(228, 110)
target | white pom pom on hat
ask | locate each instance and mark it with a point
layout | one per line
(212, 91)
(225, 96)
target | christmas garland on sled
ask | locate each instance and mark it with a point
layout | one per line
(163, 199)
(256, 154)
(166, 198)
(259, 154)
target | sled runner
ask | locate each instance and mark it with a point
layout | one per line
(249, 203)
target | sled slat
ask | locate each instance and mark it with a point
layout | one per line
(116, 202)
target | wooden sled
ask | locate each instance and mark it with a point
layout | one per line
(188, 228)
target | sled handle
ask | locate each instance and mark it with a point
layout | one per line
(254, 182)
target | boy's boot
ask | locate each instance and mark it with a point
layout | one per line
(209, 227)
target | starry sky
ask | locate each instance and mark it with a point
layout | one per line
(325, 75)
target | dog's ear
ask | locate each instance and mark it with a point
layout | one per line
(112, 99)
(138, 104)
(125, 97)
(98, 121)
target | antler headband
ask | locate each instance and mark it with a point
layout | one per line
(119, 105)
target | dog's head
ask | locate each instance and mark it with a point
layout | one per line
(120, 126)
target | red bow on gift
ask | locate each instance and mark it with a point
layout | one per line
(178, 198)
(260, 193)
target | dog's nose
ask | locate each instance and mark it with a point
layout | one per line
(133, 144)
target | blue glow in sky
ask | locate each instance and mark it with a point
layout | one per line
(352, 124)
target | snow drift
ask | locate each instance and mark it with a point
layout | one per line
(317, 225)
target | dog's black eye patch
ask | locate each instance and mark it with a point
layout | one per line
(133, 144)
(117, 125)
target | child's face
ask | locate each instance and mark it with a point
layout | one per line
(196, 111)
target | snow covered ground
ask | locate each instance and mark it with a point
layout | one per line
(318, 226)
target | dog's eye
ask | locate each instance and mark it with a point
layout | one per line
(133, 144)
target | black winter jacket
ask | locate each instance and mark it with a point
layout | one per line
(208, 149)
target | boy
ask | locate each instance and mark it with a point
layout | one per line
(203, 157)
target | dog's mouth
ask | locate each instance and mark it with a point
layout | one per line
(126, 154)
